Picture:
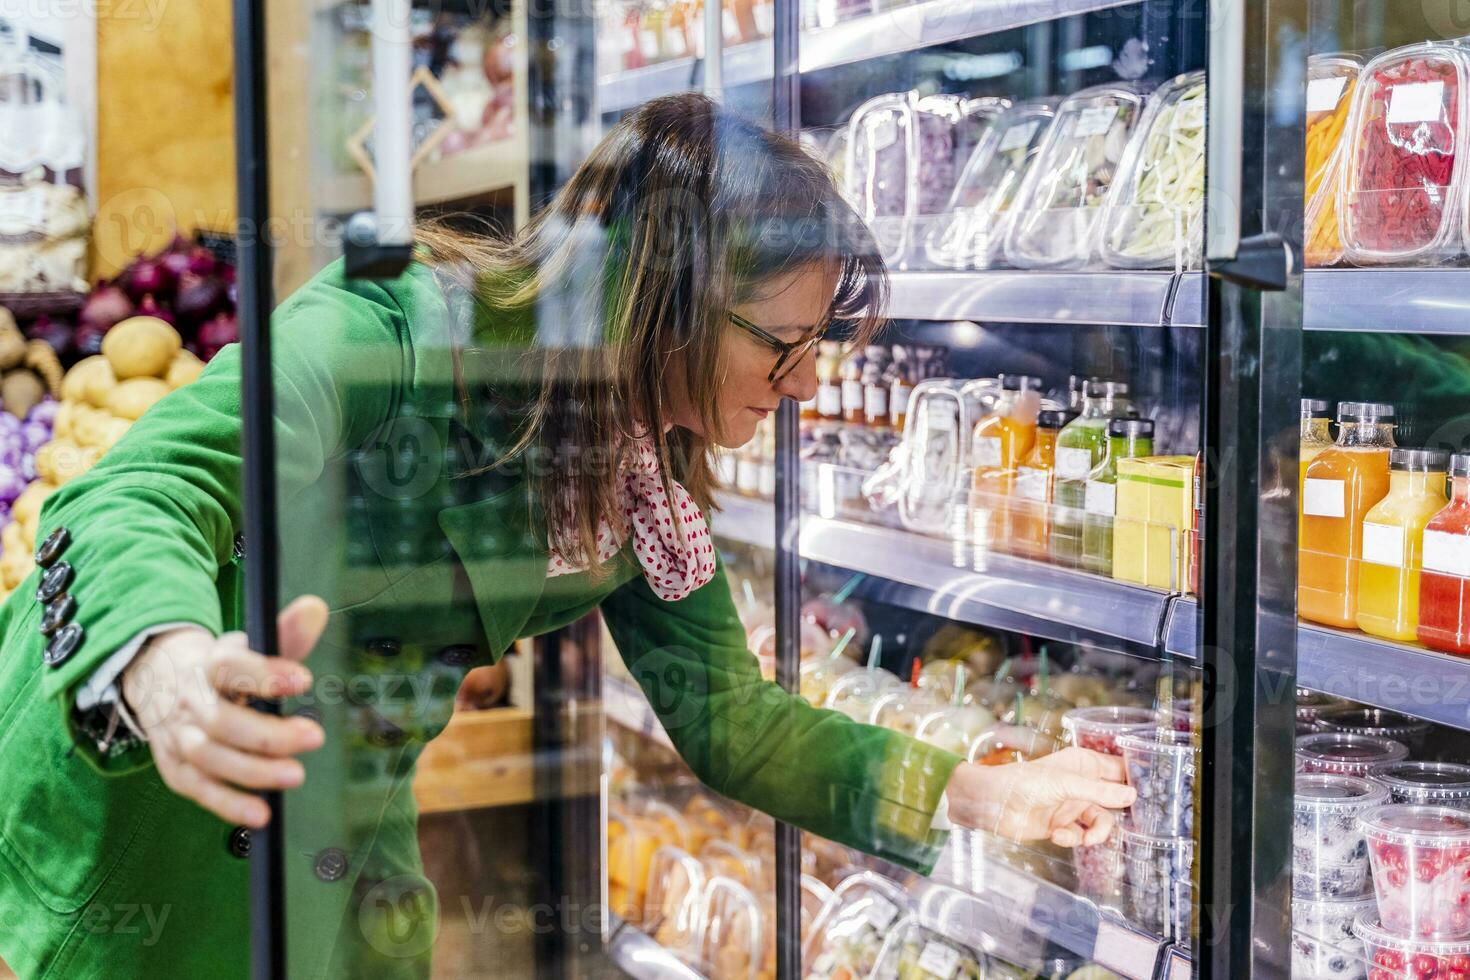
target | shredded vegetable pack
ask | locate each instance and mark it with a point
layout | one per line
(1331, 82)
(1154, 213)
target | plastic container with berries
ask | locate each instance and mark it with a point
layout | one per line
(1098, 728)
(1100, 872)
(1393, 957)
(1161, 766)
(1063, 196)
(1400, 196)
(1323, 946)
(1329, 855)
(1308, 705)
(1430, 783)
(1379, 722)
(1421, 869)
(1158, 873)
(1350, 755)
(1331, 80)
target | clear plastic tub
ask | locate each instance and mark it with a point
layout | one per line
(672, 903)
(1331, 80)
(1155, 213)
(1329, 855)
(1421, 869)
(1350, 755)
(1063, 195)
(955, 728)
(733, 938)
(1005, 744)
(721, 858)
(1161, 768)
(1098, 728)
(881, 146)
(1377, 722)
(1043, 712)
(949, 128)
(848, 933)
(819, 674)
(1323, 946)
(1308, 705)
(901, 709)
(913, 952)
(854, 694)
(1400, 200)
(972, 234)
(1392, 957)
(1100, 875)
(1160, 897)
(1429, 783)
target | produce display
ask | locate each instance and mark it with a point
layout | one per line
(1323, 946)
(1155, 212)
(1329, 853)
(1349, 755)
(1161, 768)
(1401, 192)
(1421, 869)
(1331, 82)
(1060, 202)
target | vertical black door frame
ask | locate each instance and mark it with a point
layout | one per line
(1248, 571)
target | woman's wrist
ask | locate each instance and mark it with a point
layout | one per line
(153, 672)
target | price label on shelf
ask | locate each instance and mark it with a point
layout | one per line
(1324, 498)
(1181, 966)
(1018, 136)
(1383, 544)
(1447, 553)
(939, 960)
(1099, 498)
(1094, 121)
(1413, 102)
(1073, 464)
(987, 451)
(1323, 93)
(1124, 951)
(880, 913)
(1017, 890)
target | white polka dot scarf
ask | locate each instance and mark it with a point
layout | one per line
(673, 571)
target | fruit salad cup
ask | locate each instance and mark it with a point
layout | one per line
(1391, 957)
(1099, 870)
(1421, 869)
(1161, 767)
(1098, 728)
(1330, 856)
(1348, 755)
(1323, 946)
(1430, 783)
(1378, 722)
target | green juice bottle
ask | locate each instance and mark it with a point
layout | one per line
(1081, 445)
(1127, 439)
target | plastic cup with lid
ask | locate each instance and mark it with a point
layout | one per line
(1421, 869)
(1329, 855)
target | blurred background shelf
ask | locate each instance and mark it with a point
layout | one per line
(625, 704)
(471, 175)
(639, 956)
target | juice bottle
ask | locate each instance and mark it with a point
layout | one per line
(1341, 485)
(829, 381)
(1127, 438)
(1081, 445)
(1444, 584)
(1393, 540)
(1029, 510)
(1316, 433)
(1077, 393)
(1001, 440)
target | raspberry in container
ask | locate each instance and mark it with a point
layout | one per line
(1393, 957)
(1380, 722)
(847, 934)
(1155, 211)
(1098, 728)
(1400, 197)
(1063, 196)
(1431, 783)
(1099, 868)
(1323, 946)
(1350, 755)
(1421, 869)
(1329, 854)
(1331, 80)
(971, 235)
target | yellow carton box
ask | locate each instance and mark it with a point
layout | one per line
(1153, 513)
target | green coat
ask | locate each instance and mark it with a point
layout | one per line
(429, 572)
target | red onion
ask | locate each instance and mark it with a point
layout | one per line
(105, 306)
(202, 261)
(217, 333)
(175, 263)
(150, 307)
(57, 333)
(89, 340)
(146, 276)
(199, 298)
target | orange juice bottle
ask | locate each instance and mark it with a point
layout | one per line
(1316, 434)
(1028, 525)
(1001, 440)
(1393, 543)
(1341, 485)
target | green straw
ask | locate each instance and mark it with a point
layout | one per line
(846, 637)
(841, 594)
(959, 686)
(749, 593)
(1020, 703)
(875, 651)
(1042, 670)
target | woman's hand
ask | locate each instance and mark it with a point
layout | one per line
(1066, 797)
(186, 690)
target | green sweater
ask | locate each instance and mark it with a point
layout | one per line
(429, 572)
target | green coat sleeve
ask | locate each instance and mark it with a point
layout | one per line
(154, 521)
(867, 787)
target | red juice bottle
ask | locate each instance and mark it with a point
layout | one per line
(1444, 582)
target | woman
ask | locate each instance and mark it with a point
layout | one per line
(503, 439)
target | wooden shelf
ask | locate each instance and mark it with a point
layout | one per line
(481, 759)
(483, 171)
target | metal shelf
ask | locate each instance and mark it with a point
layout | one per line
(1387, 300)
(1033, 296)
(892, 32)
(1408, 679)
(746, 520)
(934, 576)
(639, 956)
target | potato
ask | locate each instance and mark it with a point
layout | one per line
(12, 346)
(12, 537)
(15, 565)
(61, 460)
(65, 415)
(86, 426)
(20, 390)
(28, 534)
(140, 347)
(184, 369)
(131, 398)
(112, 430)
(27, 506)
(89, 380)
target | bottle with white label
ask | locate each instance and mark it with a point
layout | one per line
(1340, 486)
(1029, 525)
(1393, 540)
(1444, 582)
(1127, 439)
(1001, 440)
(829, 381)
(1081, 445)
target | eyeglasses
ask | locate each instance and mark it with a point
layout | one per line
(791, 354)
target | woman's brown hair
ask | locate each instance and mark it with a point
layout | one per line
(683, 210)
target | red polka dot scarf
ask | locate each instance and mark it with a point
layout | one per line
(672, 570)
